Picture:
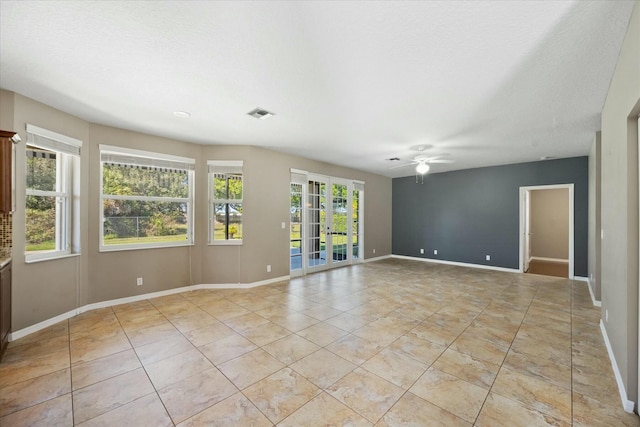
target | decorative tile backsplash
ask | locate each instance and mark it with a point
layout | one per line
(5, 233)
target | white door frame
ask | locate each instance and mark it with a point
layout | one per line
(638, 137)
(329, 262)
(527, 230)
(303, 234)
(305, 223)
(348, 224)
(523, 191)
(360, 258)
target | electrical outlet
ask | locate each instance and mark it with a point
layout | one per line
(488, 257)
(139, 281)
(268, 268)
(606, 315)
(602, 234)
(435, 252)
(421, 251)
(284, 225)
(374, 251)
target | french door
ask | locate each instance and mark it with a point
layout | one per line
(326, 231)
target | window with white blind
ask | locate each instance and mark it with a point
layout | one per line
(225, 201)
(147, 199)
(52, 185)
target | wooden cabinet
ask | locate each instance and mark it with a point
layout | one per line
(5, 306)
(6, 174)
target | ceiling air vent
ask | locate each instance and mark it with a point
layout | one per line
(259, 113)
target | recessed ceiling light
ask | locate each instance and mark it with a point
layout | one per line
(547, 157)
(182, 114)
(261, 114)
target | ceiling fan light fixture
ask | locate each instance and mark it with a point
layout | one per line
(422, 168)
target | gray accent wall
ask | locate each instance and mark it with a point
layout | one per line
(468, 214)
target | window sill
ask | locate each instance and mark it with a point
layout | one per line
(118, 248)
(28, 260)
(226, 243)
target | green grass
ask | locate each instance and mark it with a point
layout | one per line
(147, 239)
(44, 246)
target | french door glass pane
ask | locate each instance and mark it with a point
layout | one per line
(317, 226)
(295, 232)
(355, 232)
(339, 219)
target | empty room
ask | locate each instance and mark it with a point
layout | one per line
(319, 213)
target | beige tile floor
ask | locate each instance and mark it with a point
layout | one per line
(388, 343)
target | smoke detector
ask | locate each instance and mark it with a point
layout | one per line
(261, 114)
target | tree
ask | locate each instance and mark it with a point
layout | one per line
(158, 218)
(41, 210)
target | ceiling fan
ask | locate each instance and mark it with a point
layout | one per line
(422, 163)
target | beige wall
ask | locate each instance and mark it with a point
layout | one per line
(266, 207)
(595, 183)
(550, 223)
(46, 289)
(620, 207)
(6, 110)
(113, 274)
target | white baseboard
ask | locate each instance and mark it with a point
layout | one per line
(378, 258)
(459, 264)
(110, 303)
(540, 258)
(241, 285)
(44, 324)
(593, 297)
(627, 404)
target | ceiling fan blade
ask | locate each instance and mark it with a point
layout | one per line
(440, 161)
(402, 165)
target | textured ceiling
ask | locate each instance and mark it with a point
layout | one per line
(351, 83)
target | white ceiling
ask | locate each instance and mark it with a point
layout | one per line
(351, 83)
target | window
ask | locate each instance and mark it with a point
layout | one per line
(52, 186)
(225, 202)
(147, 199)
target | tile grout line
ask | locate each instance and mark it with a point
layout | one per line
(142, 364)
(203, 355)
(73, 413)
(507, 353)
(571, 344)
(429, 366)
(539, 291)
(214, 365)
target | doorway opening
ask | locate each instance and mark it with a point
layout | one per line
(547, 230)
(326, 222)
